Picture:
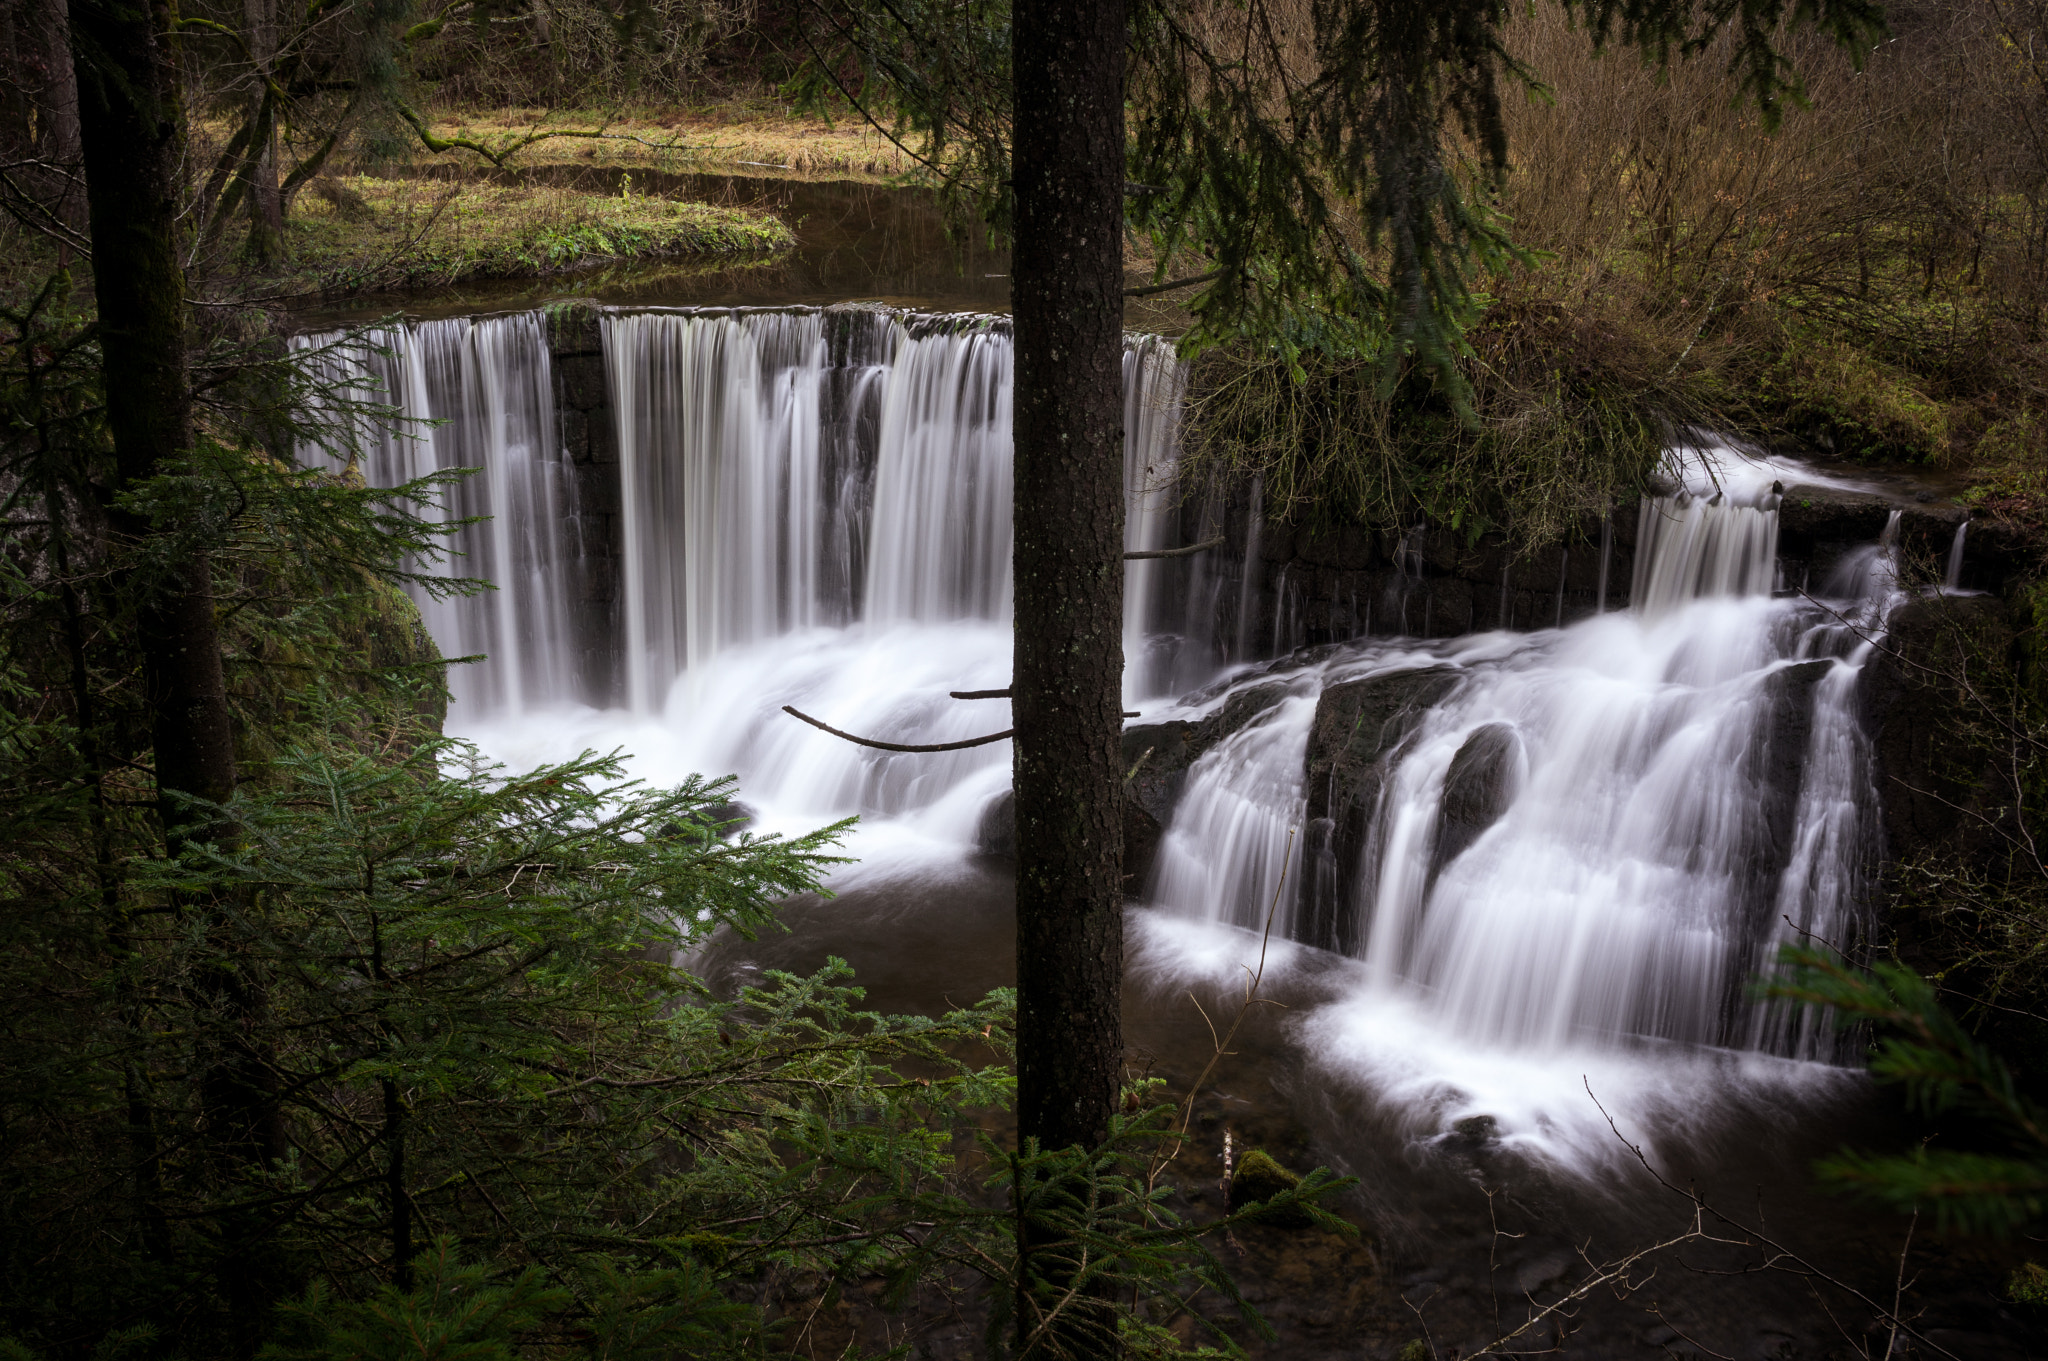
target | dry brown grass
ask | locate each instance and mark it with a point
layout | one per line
(745, 136)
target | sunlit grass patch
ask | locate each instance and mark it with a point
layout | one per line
(363, 232)
(747, 138)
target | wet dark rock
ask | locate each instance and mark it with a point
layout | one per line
(996, 834)
(1142, 832)
(1358, 726)
(1929, 779)
(1477, 789)
(575, 326)
(1156, 756)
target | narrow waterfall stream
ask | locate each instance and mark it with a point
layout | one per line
(1508, 872)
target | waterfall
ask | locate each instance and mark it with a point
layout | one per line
(813, 510)
(1667, 795)
(1952, 580)
(719, 419)
(1155, 382)
(779, 471)
(1550, 848)
(942, 481)
(473, 393)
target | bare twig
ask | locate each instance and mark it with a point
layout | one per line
(1779, 1257)
(1149, 289)
(900, 746)
(1202, 547)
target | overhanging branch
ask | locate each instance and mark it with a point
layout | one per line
(1004, 735)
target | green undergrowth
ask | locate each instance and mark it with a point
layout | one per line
(1566, 414)
(360, 232)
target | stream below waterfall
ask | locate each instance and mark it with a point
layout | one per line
(1518, 881)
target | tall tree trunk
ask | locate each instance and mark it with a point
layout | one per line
(1067, 294)
(131, 125)
(57, 119)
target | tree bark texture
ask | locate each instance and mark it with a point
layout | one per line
(266, 210)
(131, 127)
(1066, 280)
(57, 115)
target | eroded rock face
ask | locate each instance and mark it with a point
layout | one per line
(1929, 779)
(1359, 725)
(1477, 790)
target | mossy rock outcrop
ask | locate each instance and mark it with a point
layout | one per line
(1256, 1179)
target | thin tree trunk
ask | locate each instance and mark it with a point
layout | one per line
(18, 76)
(266, 214)
(1067, 293)
(58, 116)
(398, 1202)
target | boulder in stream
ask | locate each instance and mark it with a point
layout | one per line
(996, 835)
(1477, 790)
(1359, 725)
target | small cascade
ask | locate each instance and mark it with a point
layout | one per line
(1594, 835)
(1248, 579)
(1155, 383)
(1225, 853)
(1713, 541)
(487, 382)
(1952, 579)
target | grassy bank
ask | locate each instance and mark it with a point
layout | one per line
(358, 232)
(742, 136)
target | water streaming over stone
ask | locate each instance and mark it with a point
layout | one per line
(1577, 840)
(1592, 835)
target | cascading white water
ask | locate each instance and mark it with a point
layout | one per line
(723, 502)
(1952, 579)
(473, 393)
(814, 510)
(1688, 788)
(815, 513)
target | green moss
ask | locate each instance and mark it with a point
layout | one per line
(2028, 1285)
(1846, 400)
(383, 233)
(1258, 1178)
